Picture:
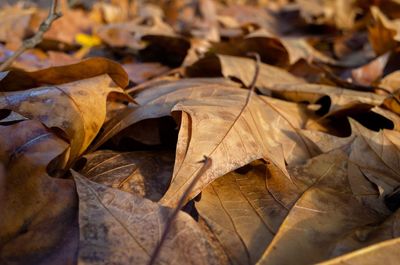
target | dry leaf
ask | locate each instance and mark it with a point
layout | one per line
(243, 69)
(34, 204)
(146, 174)
(16, 24)
(20, 80)
(78, 108)
(384, 34)
(341, 13)
(326, 211)
(242, 213)
(385, 253)
(305, 164)
(66, 28)
(231, 134)
(122, 228)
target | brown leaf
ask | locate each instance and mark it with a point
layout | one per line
(140, 72)
(273, 49)
(232, 135)
(157, 100)
(385, 253)
(20, 80)
(146, 174)
(391, 82)
(326, 211)
(341, 13)
(243, 69)
(118, 227)
(374, 156)
(384, 33)
(78, 108)
(16, 24)
(38, 212)
(372, 234)
(242, 213)
(71, 23)
(338, 98)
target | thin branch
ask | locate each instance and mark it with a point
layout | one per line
(207, 164)
(36, 39)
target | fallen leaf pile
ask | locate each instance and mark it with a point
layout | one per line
(275, 123)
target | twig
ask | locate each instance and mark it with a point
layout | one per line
(36, 39)
(207, 164)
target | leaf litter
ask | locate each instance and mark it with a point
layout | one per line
(145, 132)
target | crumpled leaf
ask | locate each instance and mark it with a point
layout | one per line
(327, 211)
(242, 69)
(157, 100)
(231, 136)
(146, 174)
(276, 81)
(156, 40)
(38, 212)
(333, 98)
(281, 51)
(374, 156)
(20, 80)
(200, 102)
(73, 107)
(121, 228)
(384, 33)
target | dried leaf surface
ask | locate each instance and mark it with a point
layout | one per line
(118, 227)
(146, 174)
(236, 127)
(242, 213)
(32, 203)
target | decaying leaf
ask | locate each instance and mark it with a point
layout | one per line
(33, 204)
(384, 33)
(118, 227)
(327, 210)
(17, 23)
(304, 140)
(146, 174)
(385, 252)
(73, 107)
(242, 69)
(216, 126)
(242, 213)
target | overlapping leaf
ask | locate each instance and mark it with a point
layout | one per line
(118, 227)
(78, 108)
(33, 204)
